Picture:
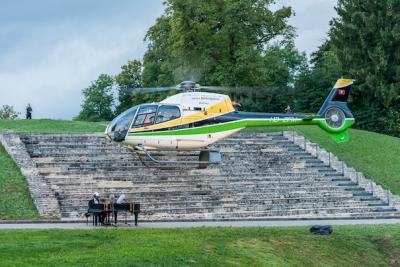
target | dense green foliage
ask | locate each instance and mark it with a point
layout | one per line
(15, 201)
(213, 43)
(52, 126)
(376, 155)
(98, 100)
(361, 245)
(366, 38)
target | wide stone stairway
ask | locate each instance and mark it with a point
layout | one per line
(261, 176)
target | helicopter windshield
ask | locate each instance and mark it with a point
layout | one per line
(119, 127)
(141, 116)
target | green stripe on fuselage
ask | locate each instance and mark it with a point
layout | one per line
(338, 134)
(226, 126)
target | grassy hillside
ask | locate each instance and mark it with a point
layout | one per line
(377, 245)
(376, 155)
(15, 201)
(52, 126)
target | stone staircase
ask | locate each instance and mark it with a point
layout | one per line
(261, 176)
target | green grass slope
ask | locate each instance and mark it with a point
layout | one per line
(15, 200)
(377, 245)
(52, 126)
(376, 155)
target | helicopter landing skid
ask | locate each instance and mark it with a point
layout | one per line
(206, 157)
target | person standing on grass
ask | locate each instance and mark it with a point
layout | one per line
(29, 112)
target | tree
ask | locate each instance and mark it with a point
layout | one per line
(221, 42)
(280, 64)
(313, 83)
(98, 100)
(365, 37)
(128, 78)
(7, 112)
(157, 61)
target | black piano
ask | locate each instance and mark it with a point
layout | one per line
(102, 212)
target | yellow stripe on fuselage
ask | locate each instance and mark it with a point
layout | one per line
(223, 107)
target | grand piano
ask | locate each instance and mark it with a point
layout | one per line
(102, 212)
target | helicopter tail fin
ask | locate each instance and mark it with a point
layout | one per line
(338, 97)
(335, 115)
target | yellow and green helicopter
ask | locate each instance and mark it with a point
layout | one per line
(194, 119)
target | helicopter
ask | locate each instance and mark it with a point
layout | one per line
(193, 119)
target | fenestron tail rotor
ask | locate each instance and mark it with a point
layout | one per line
(335, 117)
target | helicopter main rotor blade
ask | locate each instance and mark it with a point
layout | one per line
(215, 88)
(151, 89)
(240, 89)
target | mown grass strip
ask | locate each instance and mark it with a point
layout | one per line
(52, 126)
(371, 245)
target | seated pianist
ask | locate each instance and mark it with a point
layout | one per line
(95, 209)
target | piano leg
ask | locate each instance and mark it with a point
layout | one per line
(115, 217)
(102, 218)
(136, 217)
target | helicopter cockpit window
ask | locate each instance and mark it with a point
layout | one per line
(118, 128)
(167, 113)
(146, 116)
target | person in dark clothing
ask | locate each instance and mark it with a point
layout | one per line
(29, 112)
(94, 200)
(97, 214)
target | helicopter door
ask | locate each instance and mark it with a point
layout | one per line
(167, 113)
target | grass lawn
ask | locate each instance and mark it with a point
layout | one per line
(372, 245)
(52, 126)
(15, 200)
(376, 155)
